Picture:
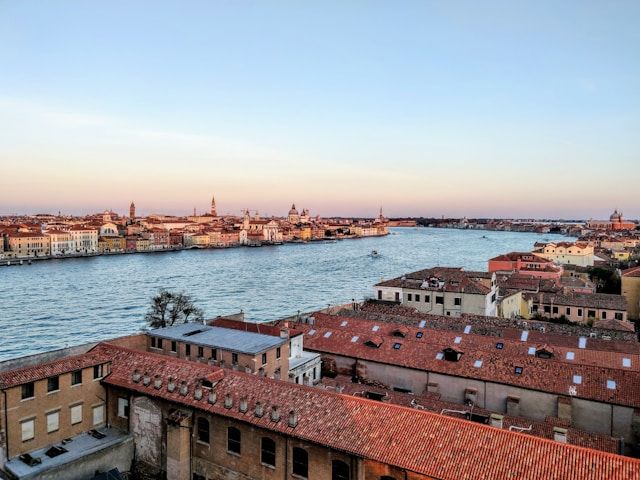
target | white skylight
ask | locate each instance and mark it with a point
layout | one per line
(467, 329)
(570, 355)
(626, 362)
(477, 363)
(422, 323)
(532, 351)
(354, 339)
(577, 379)
(327, 334)
(439, 356)
(375, 328)
(457, 340)
(582, 342)
(524, 336)
(611, 384)
(344, 323)
(312, 331)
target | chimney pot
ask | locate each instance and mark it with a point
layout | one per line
(293, 419)
(243, 405)
(183, 388)
(136, 376)
(212, 397)
(171, 386)
(228, 401)
(259, 410)
(157, 382)
(275, 414)
(146, 379)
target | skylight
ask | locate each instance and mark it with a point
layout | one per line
(439, 356)
(477, 363)
(344, 323)
(582, 342)
(327, 334)
(467, 329)
(422, 323)
(457, 340)
(524, 336)
(518, 370)
(312, 331)
(396, 346)
(531, 351)
(577, 379)
(626, 362)
(375, 328)
(570, 355)
(354, 339)
(611, 384)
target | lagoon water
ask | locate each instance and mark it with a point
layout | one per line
(58, 303)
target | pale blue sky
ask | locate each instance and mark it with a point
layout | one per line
(428, 108)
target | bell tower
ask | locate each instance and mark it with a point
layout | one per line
(132, 211)
(214, 211)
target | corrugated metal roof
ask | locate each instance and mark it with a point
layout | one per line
(218, 337)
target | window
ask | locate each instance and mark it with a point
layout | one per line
(98, 414)
(457, 301)
(203, 430)
(439, 300)
(555, 309)
(264, 358)
(159, 343)
(604, 315)
(174, 346)
(427, 298)
(591, 314)
(53, 421)
(568, 311)
(76, 414)
(278, 352)
(339, 470)
(379, 294)
(98, 371)
(123, 407)
(28, 429)
(195, 476)
(214, 354)
(233, 440)
(300, 462)
(397, 300)
(53, 384)
(28, 391)
(76, 377)
(579, 312)
(409, 297)
(154, 343)
(417, 297)
(187, 349)
(547, 309)
(518, 370)
(234, 358)
(268, 452)
(618, 315)
(200, 352)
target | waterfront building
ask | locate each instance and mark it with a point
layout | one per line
(580, 307)
(111, 244)
(443, 291)
(616, 222)
(563, 253)
(29, 244)
(85, 238)
(109, 229)
(293, 217)
(61, 242)
(525, 263)
(630, 280)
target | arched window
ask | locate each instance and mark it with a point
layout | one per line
(233, 440)
(300, 462)
(203, 430)
(268, 453)
(340, 470)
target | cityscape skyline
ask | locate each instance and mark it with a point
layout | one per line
(526, 110)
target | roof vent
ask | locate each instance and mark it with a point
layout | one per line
(259, 412)
(212, 397)
(293, 419)
(228, 401)
(136, 376)
(275, 414)
(243, 405)
(171, 386)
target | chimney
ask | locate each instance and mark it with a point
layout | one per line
(496, 420)
(259, 410)
(197, 392)
(146, 379)
(136, 376)
(560, 434)
(212, 397)
(243, 405)
(157, 382)
(183, 388)
(293, 419)
(275, 414)
(171, 386)
(284, 332)
(228, 401)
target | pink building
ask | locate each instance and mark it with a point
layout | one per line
(525, 263)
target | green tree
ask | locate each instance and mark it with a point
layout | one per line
(170, 308)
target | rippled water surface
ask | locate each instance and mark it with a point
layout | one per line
(57, 303)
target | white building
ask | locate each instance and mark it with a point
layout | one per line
(567, 253)
(304, 367)
(61, 242)
(85, 239)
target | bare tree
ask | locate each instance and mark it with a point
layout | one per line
(169, 308)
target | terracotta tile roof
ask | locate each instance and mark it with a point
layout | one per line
(521, 256)
(13, 378)
(631, 272)
(584, 300)
(449, 279)
(498, 365)
(419, 441)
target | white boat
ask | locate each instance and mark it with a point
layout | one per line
(374, 254)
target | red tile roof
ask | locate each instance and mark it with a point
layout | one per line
(631, 272)
(422, 442)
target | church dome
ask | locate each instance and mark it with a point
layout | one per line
(615, 216)
(293, 210)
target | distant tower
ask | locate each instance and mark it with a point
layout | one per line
(132, 211)
(214, 212)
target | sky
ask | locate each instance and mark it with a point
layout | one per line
(492, 109)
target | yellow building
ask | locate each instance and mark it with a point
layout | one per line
(111, 244)
(514, 305)
(631, 291)
(29, 244)
(568, 253)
